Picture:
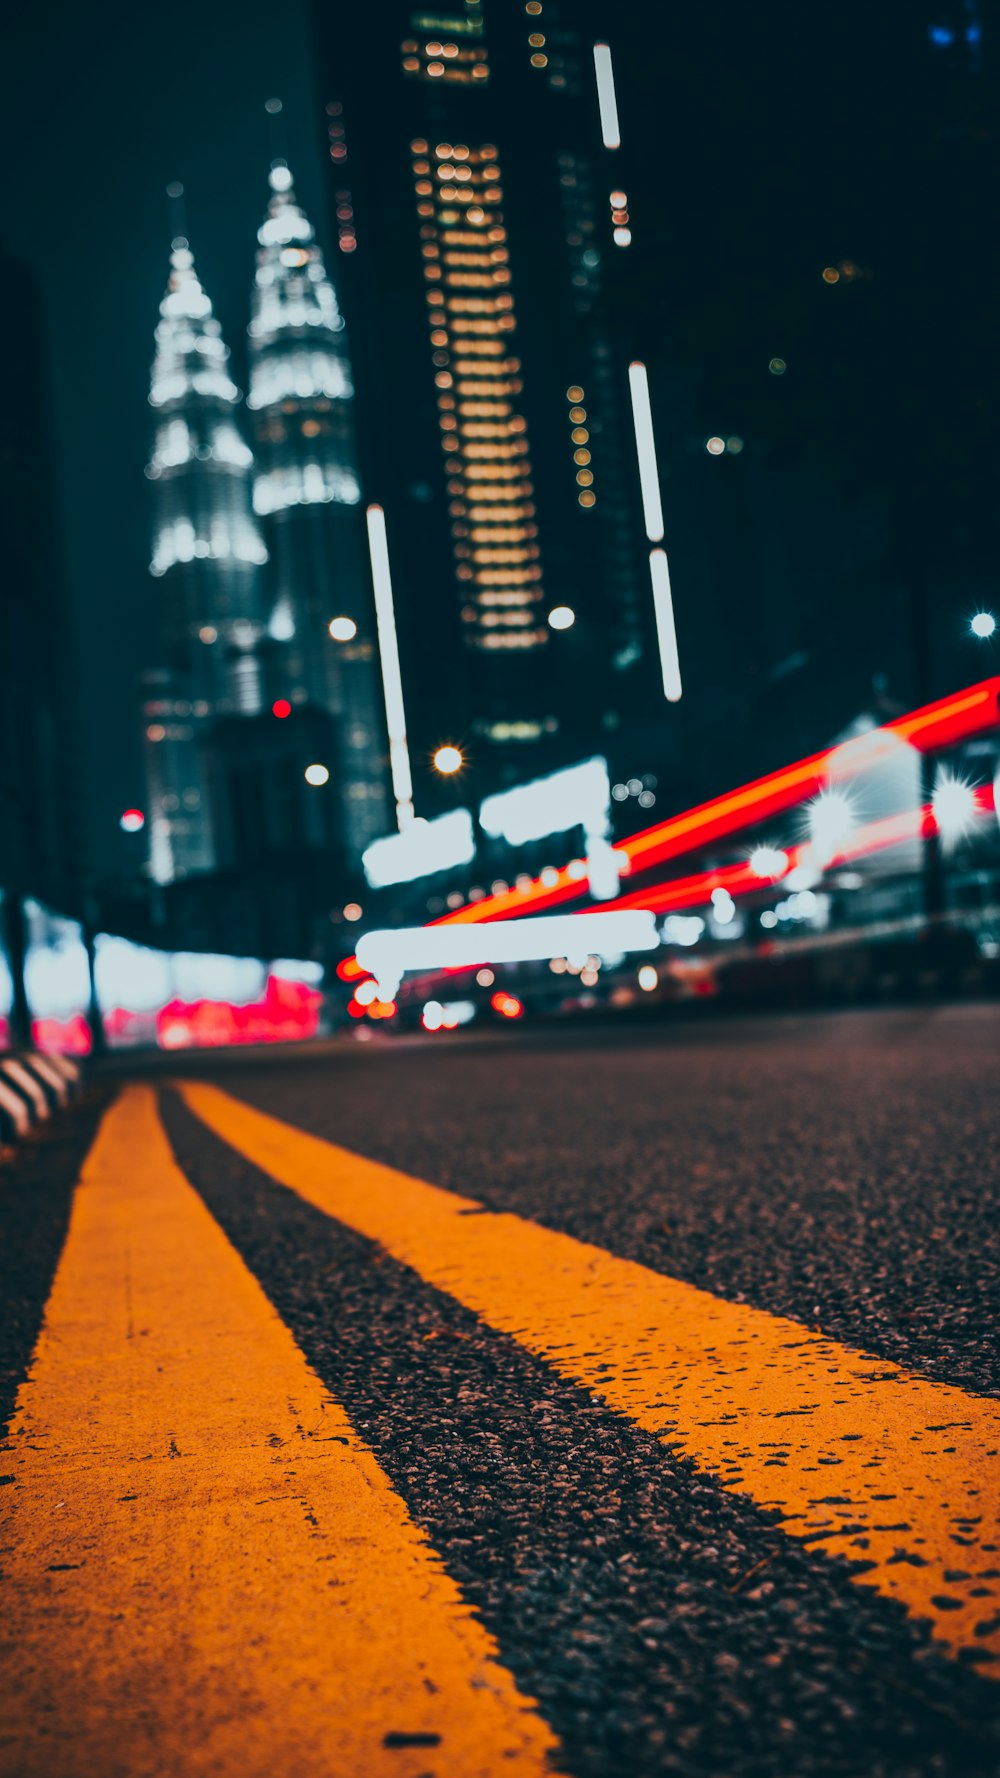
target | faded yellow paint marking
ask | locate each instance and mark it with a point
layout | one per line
(205, 1570)
(861, 1458)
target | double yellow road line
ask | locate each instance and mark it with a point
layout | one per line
(207, 1570)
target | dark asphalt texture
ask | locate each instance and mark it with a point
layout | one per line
(36, 1192)
(663, 1625)
(840, 1168)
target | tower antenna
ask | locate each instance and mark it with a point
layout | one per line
(178, 213)
(277, 132)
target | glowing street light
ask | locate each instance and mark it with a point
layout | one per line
(342, 629)
(448, 760)
(768, 861)
(562, 617)
(983, 625)
(831, 822)
(955, 807)
(317, 774)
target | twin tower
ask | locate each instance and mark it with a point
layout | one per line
(256, 553)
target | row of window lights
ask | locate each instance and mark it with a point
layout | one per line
(434, 49)
(580, 437)
(458, 151)
(446, 153)
(346, 236)
(621, 233)
(845, 271)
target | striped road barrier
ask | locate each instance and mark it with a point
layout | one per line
(32, 1087)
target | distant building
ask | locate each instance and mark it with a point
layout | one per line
(485, 244)
(307, 496)
(40, 776)
(208, 553)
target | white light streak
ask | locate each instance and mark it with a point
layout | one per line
(424, 848)
(649, 480)
(579, 796)
(390, 953)
(392, 681)
(606, 97)
(666, 634)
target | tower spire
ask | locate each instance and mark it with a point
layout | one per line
(207, 555)
(307, 494)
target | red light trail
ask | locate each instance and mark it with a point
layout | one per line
(933, 726)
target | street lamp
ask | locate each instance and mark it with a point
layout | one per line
(447, 760)
(983, 625)
(562, 617)
(342, 629)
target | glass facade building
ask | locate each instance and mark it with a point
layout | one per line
(484, 272)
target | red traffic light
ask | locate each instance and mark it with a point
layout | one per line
(132, 821)
(281, 707)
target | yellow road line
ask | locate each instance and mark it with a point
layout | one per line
(863, 1459)
(206, 1571)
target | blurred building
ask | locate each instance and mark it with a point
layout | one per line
(307, 495)
(40, 771)
(208, 554)
(485, 243)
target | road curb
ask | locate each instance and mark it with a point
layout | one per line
(33, 1088)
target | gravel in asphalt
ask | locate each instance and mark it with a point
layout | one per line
(36, 1191)
(839, 1168)
(664, 1626)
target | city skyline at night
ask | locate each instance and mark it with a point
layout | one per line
(500, 890)
(244, 628)
(811, 571)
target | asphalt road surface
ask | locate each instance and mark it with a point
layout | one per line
(599, 1402)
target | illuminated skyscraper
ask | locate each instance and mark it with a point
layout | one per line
(483, 272)
(307, 495)
(208, 553)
